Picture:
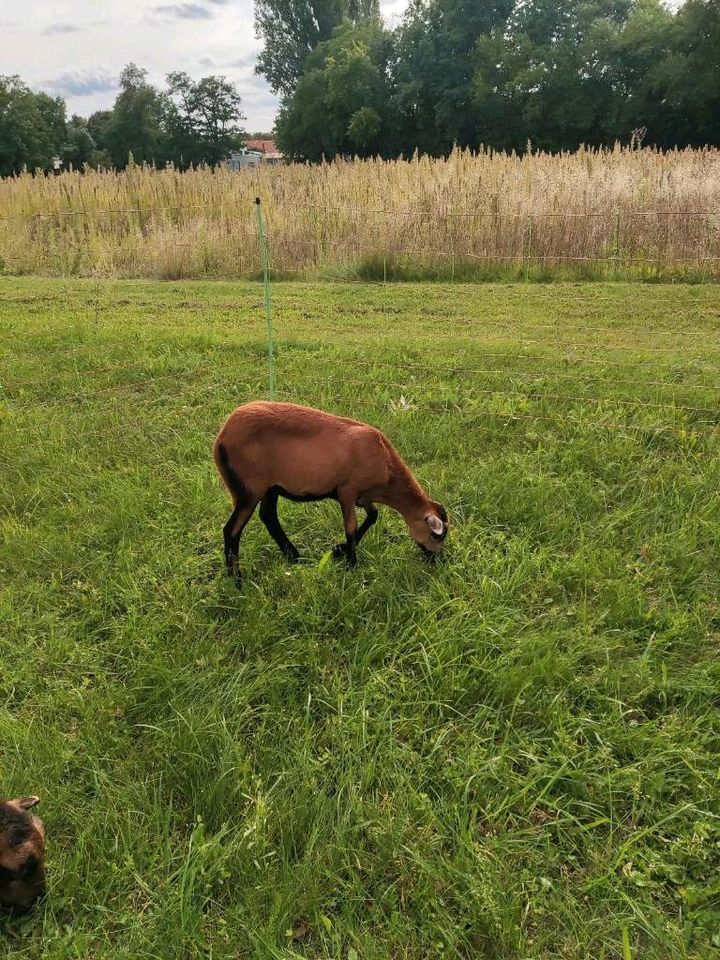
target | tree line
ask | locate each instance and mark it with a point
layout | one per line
(189, 122)
(499, 73)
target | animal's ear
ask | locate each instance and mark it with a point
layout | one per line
(435, 524)
(442, 512)
(27, 803)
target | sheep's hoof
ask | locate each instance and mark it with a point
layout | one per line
(340, 552)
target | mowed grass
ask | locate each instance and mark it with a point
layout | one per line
(510, 754)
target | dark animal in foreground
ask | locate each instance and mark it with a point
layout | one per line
(268, 450)
(22, 853)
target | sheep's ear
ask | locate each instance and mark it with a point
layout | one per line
(435, 524)
(27, 803)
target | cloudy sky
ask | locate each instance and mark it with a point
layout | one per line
(76, 48)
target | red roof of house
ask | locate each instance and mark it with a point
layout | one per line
(262, 146)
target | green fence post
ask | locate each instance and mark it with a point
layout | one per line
(264, 259)
(528, 245)
(616, 243)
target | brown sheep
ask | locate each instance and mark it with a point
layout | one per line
(266, 450)
(22, 853)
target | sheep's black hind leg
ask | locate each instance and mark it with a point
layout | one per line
(232, 531)
(269, 516)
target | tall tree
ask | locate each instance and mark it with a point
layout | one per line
(632, 60)
(98, 125)
(436, 42)
(79, 148)
(32, 127)
(203, 119)
(135, 126)
(550, 75)
(345, 102)
(291, 29)
(687, 81)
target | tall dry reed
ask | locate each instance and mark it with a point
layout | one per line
(611, 213)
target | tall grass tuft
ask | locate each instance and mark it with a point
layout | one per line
(591, 214)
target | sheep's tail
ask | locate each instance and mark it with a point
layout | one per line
(236, 488)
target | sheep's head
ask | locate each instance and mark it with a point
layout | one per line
(430, 530)
(22, 853)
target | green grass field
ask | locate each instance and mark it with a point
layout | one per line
(510, 754)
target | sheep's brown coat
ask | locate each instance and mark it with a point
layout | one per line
(266, 450)
(22, 853)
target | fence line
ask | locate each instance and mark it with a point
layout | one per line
(424, 312)
(353, 361)
(341, 208)
(705, 429)
(494, 214)
(100, 211)
(537, 396)
(425, 254)
(426, 368)
(634, 249)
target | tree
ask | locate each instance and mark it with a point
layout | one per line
(687, 80)
(292, 29)
(79, 148)
(135, 125)
(639, 48)
(203, 119)
(98, 124)
(32, 127)
(551, 74)
(436, 43)
(345, 102)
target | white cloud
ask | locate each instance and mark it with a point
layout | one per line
(80, 83)
(77, 48)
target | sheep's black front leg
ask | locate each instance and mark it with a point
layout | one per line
(269, 516)
(371, 516)
(341, 549)
(347, 549)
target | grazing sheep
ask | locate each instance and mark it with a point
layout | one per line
(22, 853)
(268, 450)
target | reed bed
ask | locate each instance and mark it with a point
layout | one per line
(592, 213)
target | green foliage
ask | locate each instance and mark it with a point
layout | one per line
(345, 101)
(191, 122)
(291, 30)
(80, 148)
(688, 80)
(135, 126)
(202, 119)
(558, 73)
(32, 127)
(98, 126)
(435, 65)
(512, 753)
